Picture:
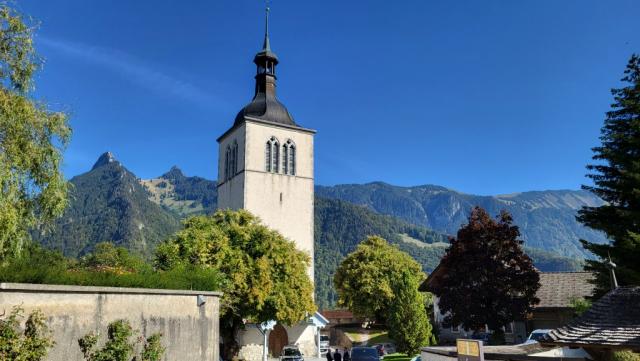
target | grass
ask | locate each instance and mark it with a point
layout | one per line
(397, 357)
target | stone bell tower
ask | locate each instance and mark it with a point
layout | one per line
(265, 162)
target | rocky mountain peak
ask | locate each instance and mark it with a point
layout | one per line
(173, 173)
(104, 159)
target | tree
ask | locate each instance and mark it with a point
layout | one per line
(365, 278)
(32, 138)
(408, 323)
(486, 278)
(266, 274)
(616, 178)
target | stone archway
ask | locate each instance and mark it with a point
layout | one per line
(278, 339)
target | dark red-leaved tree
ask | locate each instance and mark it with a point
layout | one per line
(485, 278)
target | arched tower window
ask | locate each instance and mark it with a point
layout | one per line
(272, 155)
(289, 158)
(234, 151)
(267, 156)
(276, 156)
(285, 159)
(227, 163)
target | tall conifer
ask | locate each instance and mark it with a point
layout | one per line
(616, 178)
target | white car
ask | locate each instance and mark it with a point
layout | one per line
(324, 344)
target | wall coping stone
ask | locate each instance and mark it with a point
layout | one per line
(42, 288)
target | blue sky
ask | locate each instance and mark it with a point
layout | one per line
(484, 97)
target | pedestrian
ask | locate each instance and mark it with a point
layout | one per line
(337, 356)
(346, 356)
(329, 358)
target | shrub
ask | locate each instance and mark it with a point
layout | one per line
(108, 269)
(29, 345)
(119, 345)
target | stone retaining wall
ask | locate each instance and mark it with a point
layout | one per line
(187, 320)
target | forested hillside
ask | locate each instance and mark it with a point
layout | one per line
(340, 226)
(109, 204)
(546, 218)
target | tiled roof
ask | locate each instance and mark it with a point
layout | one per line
(613, 321)
(558, 289)
(333, 314)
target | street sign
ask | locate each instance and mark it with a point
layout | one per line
(469, 350)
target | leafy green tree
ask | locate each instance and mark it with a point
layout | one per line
(408, 323)
(616, 178)
(365, 278)
(486, 277)
(267, 275)
(32, 138)
(30, 345)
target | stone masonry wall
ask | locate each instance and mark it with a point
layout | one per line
(188, 323)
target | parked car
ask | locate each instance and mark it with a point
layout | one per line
(417, 358)
(389, 348)
(365, 354)
(380, 348)
(537, 335)
(291, 353)
(324, 344)
(482, 336)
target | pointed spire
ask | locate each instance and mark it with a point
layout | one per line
(266, 46)
(266, 53)
(612, 273)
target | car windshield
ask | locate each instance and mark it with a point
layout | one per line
(291, 352)
(324, 338)
(364, 352)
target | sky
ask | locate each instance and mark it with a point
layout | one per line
(485, 97)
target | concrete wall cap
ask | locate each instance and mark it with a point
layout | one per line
(29, 287)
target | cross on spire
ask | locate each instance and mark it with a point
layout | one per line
(612, 273)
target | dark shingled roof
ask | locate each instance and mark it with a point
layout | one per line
(558, 289)
(265, 107)
(612, 322)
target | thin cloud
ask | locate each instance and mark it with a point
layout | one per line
(134, 70)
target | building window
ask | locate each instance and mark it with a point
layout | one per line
(267, 156)
(289, 157)
(285, 159)
(231, 161)
(509, 328)
(272, 155)
(234, 151)
(227, 164)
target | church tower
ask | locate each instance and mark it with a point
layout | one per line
(265, 162)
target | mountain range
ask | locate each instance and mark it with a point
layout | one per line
(109, 203)
(546, 218)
